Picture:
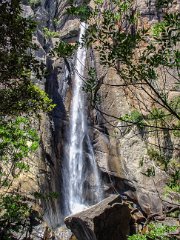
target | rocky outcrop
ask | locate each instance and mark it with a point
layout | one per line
(119, 149)
(104, 221)
(49, 14)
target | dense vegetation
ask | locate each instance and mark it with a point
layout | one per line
(21, 100)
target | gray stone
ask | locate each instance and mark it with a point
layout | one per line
(27, 11)
(106, 220)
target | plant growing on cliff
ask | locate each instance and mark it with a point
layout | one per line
(137, 51)
(17, 141)
(81, 11)
(14, 216)
(156, 231)
(144, 56)
(18, 92)
(35, 3)
(21, 99)
(117, 45)
(50, 34)
(64, 49)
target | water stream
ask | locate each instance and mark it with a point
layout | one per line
(81, 160)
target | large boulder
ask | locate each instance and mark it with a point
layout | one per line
(109, 219)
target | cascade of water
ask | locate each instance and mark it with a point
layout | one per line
(76, 166)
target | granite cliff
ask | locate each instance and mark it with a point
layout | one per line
(119, 149)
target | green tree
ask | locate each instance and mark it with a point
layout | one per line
(18, 65)
(18, 141)
(21, 98)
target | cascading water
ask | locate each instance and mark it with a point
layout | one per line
(80, 147)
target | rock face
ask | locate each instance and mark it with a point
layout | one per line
(119, 149)
(104, 221)
(51, 126)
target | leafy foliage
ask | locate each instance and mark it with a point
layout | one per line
(26, 97)
(64, 49)
(157, 157)
(20, 97)
(115, 34)
(170, 166)
(14, 216)
(90, 83)
(82, 11)
(35, 3)
(156, 231)
(51, 195)
(137, 237)
(91, 86)
(163, 3)
(17, 63)
(134, 117)
(50, 34)
(17, 141)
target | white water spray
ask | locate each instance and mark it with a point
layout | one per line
(76, 168)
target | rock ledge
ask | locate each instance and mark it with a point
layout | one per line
(107, 220)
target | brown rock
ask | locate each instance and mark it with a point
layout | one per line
(137, 216)
(149, 202)
(106, 220)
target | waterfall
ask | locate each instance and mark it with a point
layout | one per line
(81, 160)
